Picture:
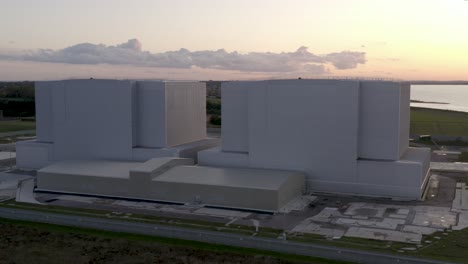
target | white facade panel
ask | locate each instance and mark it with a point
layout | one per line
(96, 121)
(121, 120)
(185, 112)
(234, 111)
(44, 112)
(151, 117)
(405, 110)
(391, 173)
(383, 111)
(305, 125)
(348, 136)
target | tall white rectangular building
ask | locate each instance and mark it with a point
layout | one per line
(348, 136)
(115, 120)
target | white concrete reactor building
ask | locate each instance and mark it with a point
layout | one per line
(116, 120)
(139, 140)
(348, 136)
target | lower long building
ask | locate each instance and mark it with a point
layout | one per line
(174, 180)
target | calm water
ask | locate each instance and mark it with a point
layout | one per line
(455, 95)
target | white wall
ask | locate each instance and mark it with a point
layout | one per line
(44, 118)
(151, 117)
(185, 112)
(234, 111)
(306, 125)
(383, 120)
(93, 119)
(405, 110)
(108, 119)
(348, 136)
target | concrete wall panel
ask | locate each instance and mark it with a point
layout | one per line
(98, 120)
(234, 111)
(405, 192)
(185, 112)
(390, 173)
(382, 113)
(93, 185)
(404, 126)
(44, 111)
(306, 125)
(151, 117)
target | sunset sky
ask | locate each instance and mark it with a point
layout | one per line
(238, 39)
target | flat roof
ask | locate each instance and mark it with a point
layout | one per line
(415, 155)
(97, 168)
(231, 177)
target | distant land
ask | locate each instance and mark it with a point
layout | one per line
(426, 102)
(422, 82)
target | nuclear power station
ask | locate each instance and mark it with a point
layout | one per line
(281, 138)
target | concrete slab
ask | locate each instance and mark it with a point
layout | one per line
(420, 229)
(460, 201)
(25, 192)
(138, 205)
(77, 198)
(386, 235)
(366, 209)
(446, 152)
(298, 204)
(386, 223)
(398, 216)
(432, 216)
(449, 166)
(326, 215)
(313, 228)
(403, 211)
(462, 221)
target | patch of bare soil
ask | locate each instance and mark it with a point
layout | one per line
(26, 244)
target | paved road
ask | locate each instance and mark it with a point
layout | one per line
(284, 246)
(17, 133)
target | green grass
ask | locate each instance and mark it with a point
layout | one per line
(169, 241)
(463, 157)
(451, 247)
(187, 223)
(438, 122)
(443, 247)
(16, 125)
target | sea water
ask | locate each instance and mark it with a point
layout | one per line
(447, 97)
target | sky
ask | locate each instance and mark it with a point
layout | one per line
(233, 39)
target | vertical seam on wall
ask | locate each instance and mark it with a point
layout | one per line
(359, 129)
(165, 91)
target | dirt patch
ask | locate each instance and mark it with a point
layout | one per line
(26, 244)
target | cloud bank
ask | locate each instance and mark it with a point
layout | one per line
(131, 53)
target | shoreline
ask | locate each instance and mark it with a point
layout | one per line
(427, 102)
(435, 109)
